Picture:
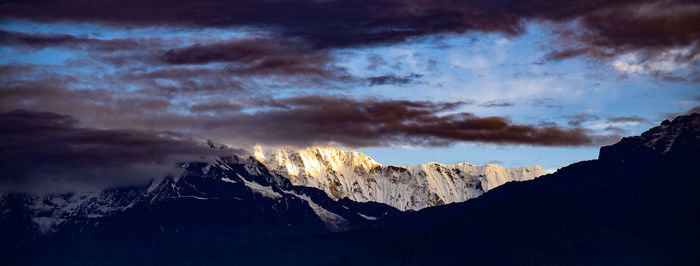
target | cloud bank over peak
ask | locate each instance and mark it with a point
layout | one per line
(41, 151)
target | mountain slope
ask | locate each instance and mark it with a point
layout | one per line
(229, 201)
(354, 175)
(635, 205)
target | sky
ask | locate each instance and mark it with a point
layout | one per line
(107, 93)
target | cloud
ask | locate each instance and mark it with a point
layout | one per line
(216, 107)
(658, 38)
(315, 120)
(393, 79)
(259, 56)
(244, 64)
(600, 25)
(630, 25)
(628, 67)
(343, 23)
(616, 130)
(635, 118)
(577, 119)
(496, 103)
(546, 102)
(671, 116)
(651, 37)
(613, 125)
(376, 61)
(42, 41)
(42, 151)
(47, 151)
(672, 64)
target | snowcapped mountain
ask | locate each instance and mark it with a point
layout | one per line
(314, 180)
(49, 212)
(228, 192)
(358, 177)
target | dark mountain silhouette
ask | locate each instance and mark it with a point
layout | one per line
(636, 205)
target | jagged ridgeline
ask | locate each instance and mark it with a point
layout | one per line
(353, 175)
(324, 181)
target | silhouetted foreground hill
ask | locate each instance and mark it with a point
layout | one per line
(637, 204)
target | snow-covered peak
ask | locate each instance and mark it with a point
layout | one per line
(314, 161)
(360, 178)
(48, 212)
(258, 153)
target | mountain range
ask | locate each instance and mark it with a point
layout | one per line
(352, 175)
(636, 204)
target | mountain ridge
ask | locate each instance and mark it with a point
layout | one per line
(360, 178)
(241, 188)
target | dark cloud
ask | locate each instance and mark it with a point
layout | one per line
(42, 86)
(237, 64)
(298, 121)
(623, 26)
(629, 119)
(45, 91)
(393, 79)
(602, 27)
(41, 41)
(497, 103)
(251, 65)
(45, 151)
(577, 119)
(216, 107)
(314, 120)
(179, 80)
(260, 56)
(42, 150)
(342, 23)
(656, 32)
